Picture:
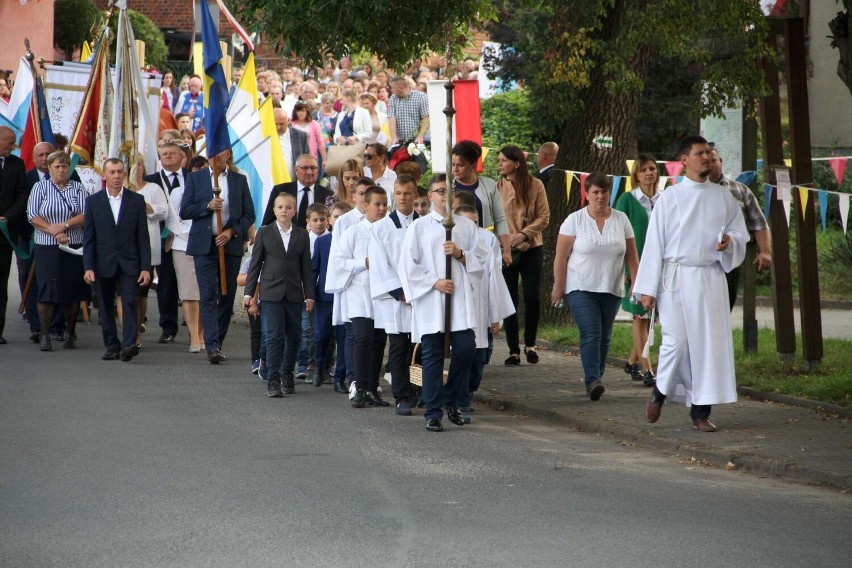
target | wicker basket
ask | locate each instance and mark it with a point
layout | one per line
(416, 371)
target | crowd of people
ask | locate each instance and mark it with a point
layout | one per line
(354, 257)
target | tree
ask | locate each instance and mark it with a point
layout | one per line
(397, 32)
(144, 29)
(72, 22)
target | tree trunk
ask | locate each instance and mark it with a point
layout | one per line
(604, 113)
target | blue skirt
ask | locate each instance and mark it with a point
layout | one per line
(59, 275)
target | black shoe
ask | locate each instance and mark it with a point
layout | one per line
(455, 416)
(289, 385)
(215, 356)
(70, 341)
(273, 389)
(403, 408)
(360, 399)
(34, 337)
(637, 374)
(630, 368)
(340, 388)
(648, 379)
(595, 390)
(374, 399)
(532, 356)
(166, 338)
(316, 378)
(60, 337)
(44, 343)
(513, 361)
(434, 425)
(129, 353)
(110, 355)
(2, 340)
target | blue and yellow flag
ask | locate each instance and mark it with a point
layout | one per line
(215, 87)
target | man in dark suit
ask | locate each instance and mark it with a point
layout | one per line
(293, 141)
(41, 151)
(13, 208)
(305, 190)
(169, 177)
(205, 238)
(545, 159)
(283, 252)
(117, 257)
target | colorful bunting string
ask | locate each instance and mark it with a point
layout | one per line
(823, 207)
(616, 184)
(583, 189)
(838, 166)
(674, 168)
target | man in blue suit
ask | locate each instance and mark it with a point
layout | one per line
(117, 257)
(200, 205)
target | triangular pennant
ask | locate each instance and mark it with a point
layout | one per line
(661, 185)
(569, 177)
(788, 162)
(630, 177)
(767, 200)
(583, 189)
(786, 204)
(679, 179)
(747, 178)
(485, 153)
(823, 207)
(674, 168)
(844, 210)
(616, 185)
(804, 193)
(838, 166)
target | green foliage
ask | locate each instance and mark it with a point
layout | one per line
(668, 110)
(72, 20)
(144, 29)
(397, 31)
(507, 119)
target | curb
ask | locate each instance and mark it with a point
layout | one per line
(745, 391)
(647, 438)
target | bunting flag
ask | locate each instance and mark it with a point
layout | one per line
(767, 200)
(468, 113)
(91, 133)
(838, 166)
(215, 87)
(485, 152)
(616, 185)
(844, 210)
(569, 177)
(280, 174)
(629, 176)
(823, 207)
(788, 162)
(804, 194)
(747, 178)
(583, 189)
(674, 169)
(786, 203)
(252, 150)
(661, 185)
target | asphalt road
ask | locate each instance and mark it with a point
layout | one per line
(169, 461)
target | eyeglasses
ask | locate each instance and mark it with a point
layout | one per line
(369, 156)
(440, 191)
(308, 168)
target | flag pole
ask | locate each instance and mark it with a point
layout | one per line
(217, 191)
(449, 223)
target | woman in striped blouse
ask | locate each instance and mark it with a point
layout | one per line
(55, 209)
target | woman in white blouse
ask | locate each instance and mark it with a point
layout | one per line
(591, 250)
(353, 122)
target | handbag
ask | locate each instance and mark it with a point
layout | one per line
(339, 153)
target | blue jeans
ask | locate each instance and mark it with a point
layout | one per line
(436, 395)
(595, 313)
(306, 346)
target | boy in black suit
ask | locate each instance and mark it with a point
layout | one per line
(117, 256)
(282, 252)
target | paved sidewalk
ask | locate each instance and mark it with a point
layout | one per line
(807, 445)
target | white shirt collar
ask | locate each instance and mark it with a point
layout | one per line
(117, 197)
(282, 231)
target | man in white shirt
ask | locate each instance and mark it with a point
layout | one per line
(294, 142)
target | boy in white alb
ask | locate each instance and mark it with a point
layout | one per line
(392, 312)
(351, 266)
(422, 272)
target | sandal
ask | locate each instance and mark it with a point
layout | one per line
(513, 361)
(532, 356)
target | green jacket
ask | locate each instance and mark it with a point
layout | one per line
(639, 218)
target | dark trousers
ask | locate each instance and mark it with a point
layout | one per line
(369, 349)
(399, 361)
(255, 333)
(471, 381)
(595, 313)
(340, 363)
(733, 278)
(283, 334)
(167, 294)
(5, 269)
(528, 269)
(436, 395)
(216, 309)
(349, 352)
(128, 287)
(323, 331)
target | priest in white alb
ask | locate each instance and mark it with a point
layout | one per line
(696, 234)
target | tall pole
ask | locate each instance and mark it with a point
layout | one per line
(223, 282)
(449, 223)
